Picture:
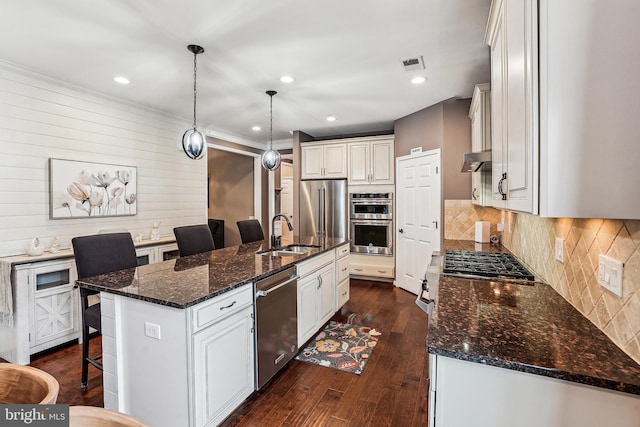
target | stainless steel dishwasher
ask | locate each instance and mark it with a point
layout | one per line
(276, 323)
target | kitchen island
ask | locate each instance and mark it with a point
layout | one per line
(518, 354)
(178, 336)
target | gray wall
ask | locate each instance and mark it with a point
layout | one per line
(446, 126)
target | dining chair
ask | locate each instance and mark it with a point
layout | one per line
(194, 239)
(250, 230)
(95, 255)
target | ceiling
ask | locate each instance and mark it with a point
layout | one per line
(345, 55)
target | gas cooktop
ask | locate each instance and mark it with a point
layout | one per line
(484, 264)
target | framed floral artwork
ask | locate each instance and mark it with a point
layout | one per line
(90, 190)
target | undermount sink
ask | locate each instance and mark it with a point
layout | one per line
(289, 250)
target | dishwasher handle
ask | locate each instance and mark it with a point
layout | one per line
(262, 293)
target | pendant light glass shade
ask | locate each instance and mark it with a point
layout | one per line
(193, 142)
(271, 158)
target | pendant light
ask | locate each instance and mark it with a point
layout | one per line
(271, 157)
(193, 142)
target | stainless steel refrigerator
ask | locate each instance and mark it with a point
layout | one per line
(324, 209)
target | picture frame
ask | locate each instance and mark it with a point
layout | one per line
(79, 189)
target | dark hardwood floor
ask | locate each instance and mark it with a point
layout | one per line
(392, 390)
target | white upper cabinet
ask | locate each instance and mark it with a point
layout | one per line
(512, 35)
(324, 160)
(589, 109)
(480, 113)
(565, 138)
(371, 162)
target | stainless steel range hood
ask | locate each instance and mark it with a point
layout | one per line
(476, 162)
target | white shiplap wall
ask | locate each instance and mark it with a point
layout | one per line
(41, 118)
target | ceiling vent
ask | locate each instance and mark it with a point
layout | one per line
(413, 64)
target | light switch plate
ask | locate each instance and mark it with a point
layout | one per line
(610, 274)
(559, 251)
(152, 330)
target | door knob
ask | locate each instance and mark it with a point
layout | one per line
(401, 230)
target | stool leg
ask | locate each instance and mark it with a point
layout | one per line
(85, 355)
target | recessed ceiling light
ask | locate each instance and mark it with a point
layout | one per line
(331, 118)
(122, 80)
(256, 128)
(286, 79)
(418, 79)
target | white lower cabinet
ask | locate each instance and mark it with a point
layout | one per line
(316, 294)
(194, 370)
(223, 367)
(473, 394)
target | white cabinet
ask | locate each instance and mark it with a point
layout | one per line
(316, 294)
(371, 162)
(153, 254)
(54, 315)
(201, 359)
(480, 115)
(223, 367)
(324, 160)
(460, 393)
(342, 276)
(512, 35)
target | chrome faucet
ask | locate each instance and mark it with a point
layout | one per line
(277, 240)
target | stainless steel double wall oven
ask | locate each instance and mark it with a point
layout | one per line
(371, 216)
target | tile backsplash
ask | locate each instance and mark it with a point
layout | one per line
(532, 240)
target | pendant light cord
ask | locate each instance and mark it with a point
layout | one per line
(270, 122)
(195, 69)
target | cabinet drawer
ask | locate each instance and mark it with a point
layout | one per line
(343, 292)
(343, 269)
(315, 263)
(372, 270)
(217, 308)
(342, 251)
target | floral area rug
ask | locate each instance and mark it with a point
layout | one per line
(341, 346)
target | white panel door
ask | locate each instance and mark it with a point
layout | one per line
(418, 207)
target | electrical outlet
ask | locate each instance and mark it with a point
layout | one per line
(559, 252)
(610, 274)
(152, 330)
(500, 226)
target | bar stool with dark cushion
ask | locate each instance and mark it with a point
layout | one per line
(194, 239)
(95, 255)
(250, 230)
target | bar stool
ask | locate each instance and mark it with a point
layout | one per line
(250, 230)
(194, 239)
(95, 255)
(81, 416)
(25, 385)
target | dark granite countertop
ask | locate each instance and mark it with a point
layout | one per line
(184, 282)
(527, 328)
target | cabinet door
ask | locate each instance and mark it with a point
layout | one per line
(382, 162)
(335, 161)
(359, 163)
(55, 315)
(521, 105)
(498, 119)
(223, 367)
(307, 308)
(477, 138)
(312, 162)
(146, 256)
(326, 294)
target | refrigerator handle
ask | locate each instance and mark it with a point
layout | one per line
(321, 213)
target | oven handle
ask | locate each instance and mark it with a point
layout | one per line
(275, 288)
(371, 221)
